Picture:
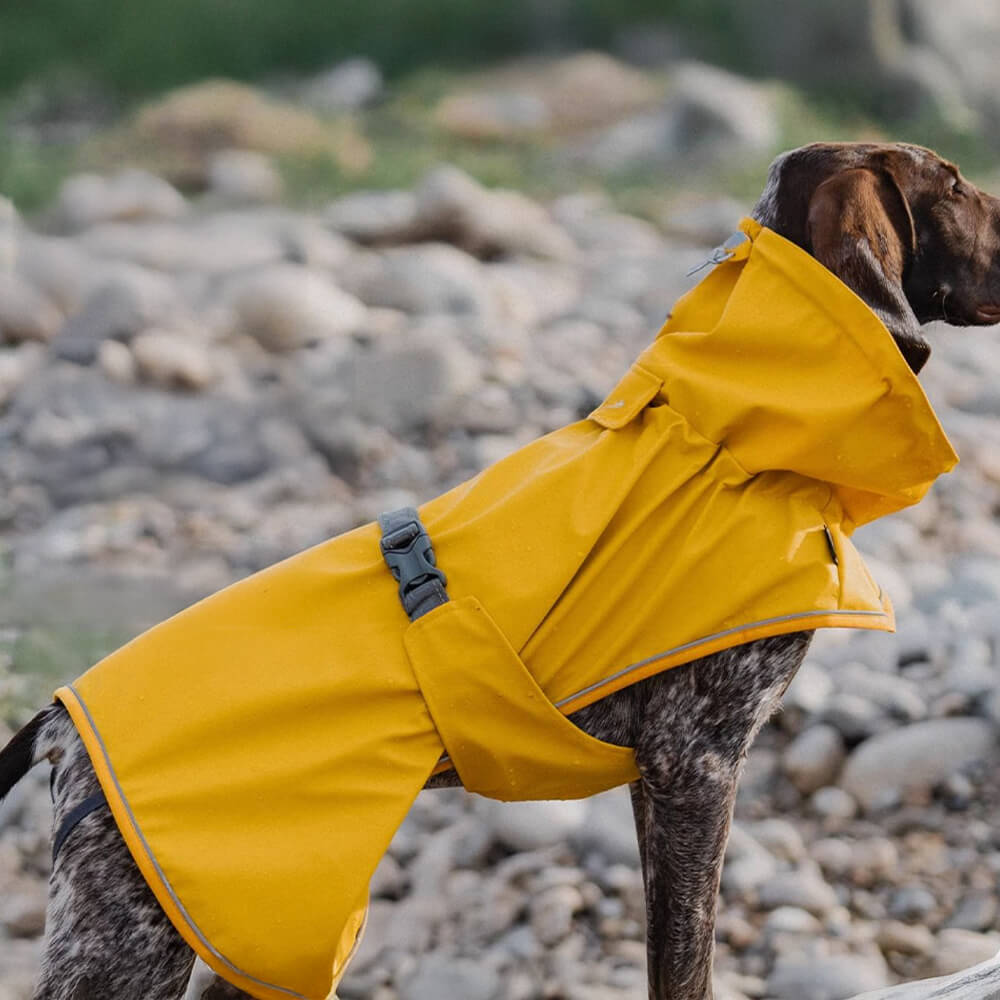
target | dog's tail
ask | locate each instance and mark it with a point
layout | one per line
(22, 752)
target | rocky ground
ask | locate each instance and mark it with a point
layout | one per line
(188, 393)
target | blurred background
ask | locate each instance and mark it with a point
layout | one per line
(267, 269)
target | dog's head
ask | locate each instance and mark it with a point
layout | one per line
(898, 225)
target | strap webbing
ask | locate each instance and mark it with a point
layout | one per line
(407, 550)
(80, 812)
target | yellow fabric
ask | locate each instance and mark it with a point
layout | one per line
(260, 749)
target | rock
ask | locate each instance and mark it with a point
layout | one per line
(810, 690)
(895, 696)
(375, 217)
(493, 115)
(805, 889)
(86, 199)
(780, 838)
(906, 939)
(411, 382)
(212, 245)
(25, 313)
(173, 361)
(976, 911)
(241, 175)
(748, 864)
(814, 758)
(959, 949)
(608, 828)
(116, 361)
(791, 920)
(425, 279)
(439, 976)
(854, 716)
(911, 903)
(348, 86)
(16, 365)
(58, 267)
(529, 826)
(22, 913)
(835, 855)
(915, 757)
(117, 310)
(552, 913)
(833, 804)
(874, 860)
(591, 89)
(91, 439)
(222, 114)
(452, 206)
(285, 307)
(825, 978)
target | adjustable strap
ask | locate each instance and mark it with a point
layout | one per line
(80, 812)
(407, 550)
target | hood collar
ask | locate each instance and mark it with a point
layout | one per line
(772, 356)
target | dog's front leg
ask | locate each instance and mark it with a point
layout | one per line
(682, 820)
(699, 721)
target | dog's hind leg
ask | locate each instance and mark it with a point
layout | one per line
(106, 937)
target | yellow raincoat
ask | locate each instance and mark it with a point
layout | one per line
(260, 749)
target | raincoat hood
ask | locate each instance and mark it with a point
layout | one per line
(260, 749)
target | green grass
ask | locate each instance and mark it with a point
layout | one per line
(36, 660)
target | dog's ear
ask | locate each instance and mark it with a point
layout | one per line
(861, 228)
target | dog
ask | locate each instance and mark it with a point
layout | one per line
(916, 242)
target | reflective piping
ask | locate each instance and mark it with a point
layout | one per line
(703, 641)
(159, 871)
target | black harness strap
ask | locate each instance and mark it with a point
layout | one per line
(407, 550)
(80, 812)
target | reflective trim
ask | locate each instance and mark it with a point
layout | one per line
(764, 623)
(119, 799)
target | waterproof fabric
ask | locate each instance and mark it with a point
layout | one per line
(260, 749)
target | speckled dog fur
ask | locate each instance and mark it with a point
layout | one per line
(907, 233)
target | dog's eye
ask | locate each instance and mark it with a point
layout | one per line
(957, 189)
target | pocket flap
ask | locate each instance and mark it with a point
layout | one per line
(505, 738)
(627, 400)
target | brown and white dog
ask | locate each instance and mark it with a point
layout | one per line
(915, 241)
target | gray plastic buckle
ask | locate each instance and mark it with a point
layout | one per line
(407, 550)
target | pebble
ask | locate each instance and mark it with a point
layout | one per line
(911, 903)
(958, 949)
(814, 758)
(243, 176)
(438, 976)
(285, 307)
(130, 194)
(172, 360)
(915, 757)
(25, 312)
(529, 826)
(552, 913)
(907, 939)
(976, 911)
(833, 804)
(833, 978)
(805, 889)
